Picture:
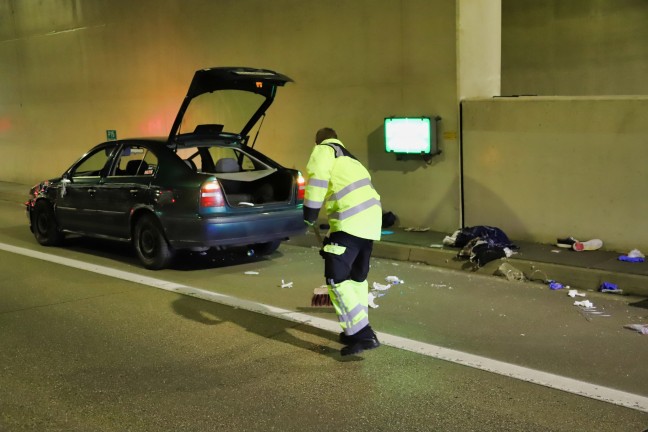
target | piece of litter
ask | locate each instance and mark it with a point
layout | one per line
(371, 301)
(636, 253)
(436, 246)
(286, 284)
(609, 287)
(641, 328)
(584, 303)
(555, 251)
(627, 258)
(394, 280)
(555, 285)
(380, 287)
(417, 229)
(251, 272)
(574, 293)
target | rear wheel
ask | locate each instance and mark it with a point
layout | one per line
(266, 248)
(150, 244)
(44, 225)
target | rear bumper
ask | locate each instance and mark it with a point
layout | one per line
(236, 230)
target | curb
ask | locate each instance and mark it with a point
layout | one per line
(576, 277)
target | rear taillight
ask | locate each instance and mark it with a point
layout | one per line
(301, 186)
(211, 195)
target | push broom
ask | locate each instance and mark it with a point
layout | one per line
(321, 296)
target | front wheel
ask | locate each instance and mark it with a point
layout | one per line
(44, 225)
(150, 244)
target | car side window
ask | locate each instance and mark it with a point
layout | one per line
(93, 164)
(191, 157)
(136, 161)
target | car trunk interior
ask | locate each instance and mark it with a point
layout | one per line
(248, 189)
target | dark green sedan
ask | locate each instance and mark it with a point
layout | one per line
(203, 187)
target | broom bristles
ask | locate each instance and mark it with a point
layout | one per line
(321, 297)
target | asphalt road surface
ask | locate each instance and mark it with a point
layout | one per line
(91, 341)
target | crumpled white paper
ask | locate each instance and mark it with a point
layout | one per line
(584, 303)
(394, 280)
(381, 287)
(641, 328)
(372, 297)
(636, 253)
(573, 293)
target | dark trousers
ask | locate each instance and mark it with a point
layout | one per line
(352, 264)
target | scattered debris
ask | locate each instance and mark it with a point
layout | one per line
(634, 255)
(286, 284)
(641, 328)
(588, 310)
(509, 272)
(584, 303)
(556, 285)
(251, 272)
(380, 287)
(609, 287)
(394, 280)
(573, 293)
(372, 297)
(416, 229)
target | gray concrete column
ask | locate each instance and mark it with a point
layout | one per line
(479, 48)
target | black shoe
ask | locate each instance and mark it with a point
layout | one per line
(566, 243)
(360, 345)
(364, 333)
(346, 340)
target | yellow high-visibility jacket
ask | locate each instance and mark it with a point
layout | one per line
(337, 178)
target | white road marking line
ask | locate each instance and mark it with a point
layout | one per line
(581, 388)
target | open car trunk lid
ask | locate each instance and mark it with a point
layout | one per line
(260, 82)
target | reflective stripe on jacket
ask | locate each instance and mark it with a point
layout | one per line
(337, 178)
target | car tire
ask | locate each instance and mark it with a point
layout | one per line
(267, 248)
(44, 224)
(150, 244)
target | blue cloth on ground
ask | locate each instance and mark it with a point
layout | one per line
(631, 259)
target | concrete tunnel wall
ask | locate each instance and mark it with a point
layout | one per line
(75, 69)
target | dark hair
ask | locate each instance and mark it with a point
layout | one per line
(324, 134)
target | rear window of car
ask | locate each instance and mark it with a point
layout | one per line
(216, 159)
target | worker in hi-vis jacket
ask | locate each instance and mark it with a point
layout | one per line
(337, 178)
